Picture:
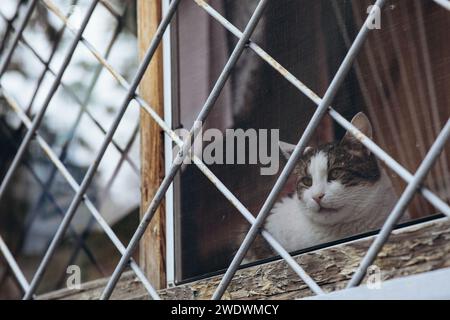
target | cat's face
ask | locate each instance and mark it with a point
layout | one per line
(333, 180)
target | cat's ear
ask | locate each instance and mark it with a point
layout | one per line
(362, 123)
(287, 149)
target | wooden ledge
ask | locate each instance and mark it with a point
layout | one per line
(410, 250)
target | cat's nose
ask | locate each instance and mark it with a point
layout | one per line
(318, 198)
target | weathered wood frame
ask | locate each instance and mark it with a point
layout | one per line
(152, 249)
(411, 250)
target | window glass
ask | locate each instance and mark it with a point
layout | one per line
(400, 82)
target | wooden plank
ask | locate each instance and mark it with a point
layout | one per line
(152, 247)
(411, 250)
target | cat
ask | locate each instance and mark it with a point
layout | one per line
(341, 190)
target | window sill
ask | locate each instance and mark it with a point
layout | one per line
(411, 250)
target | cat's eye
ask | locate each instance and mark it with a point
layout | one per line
(306, 181)
(333, 174)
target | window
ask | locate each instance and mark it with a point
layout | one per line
(395, 94)
(398, 81)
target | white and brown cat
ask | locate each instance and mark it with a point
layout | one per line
(341, 190)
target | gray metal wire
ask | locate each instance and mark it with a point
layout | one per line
(60, 166)
(76, 187)
(45, 186)
(372, 146)
(323, 106)
(221, 187)
(401, 204)
(20, 29)
(9, 24)
(13, 265)
(40, 115)
(298, 151)
(444, 3)
(93, 168)
(184, 150)
(82, 104)
(47, 195)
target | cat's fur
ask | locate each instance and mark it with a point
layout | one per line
(357, 195)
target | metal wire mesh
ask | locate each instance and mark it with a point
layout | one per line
(414, 181)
